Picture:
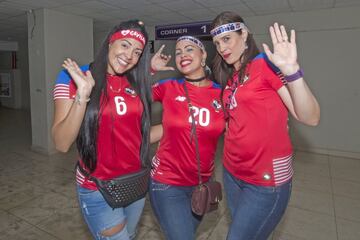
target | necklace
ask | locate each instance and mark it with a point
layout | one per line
(195, 80)
(113, 90)
(115, 79)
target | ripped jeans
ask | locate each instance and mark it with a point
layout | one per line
(99, 216)
(172, 207)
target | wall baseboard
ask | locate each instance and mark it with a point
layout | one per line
(42, 150)
(331, 152)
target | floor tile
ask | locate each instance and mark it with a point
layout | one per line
(312, 182)
(208, 224)
(347, 208)
(346, 188)
(221, 228)
(152, 234)
(345, 168)
(16, 193)
(285, 236)
(308, 225)
(147, 218)
(348, 230)
(65, 224)
(311, 200)
(31, 233)
(43, 207)
(307, 165)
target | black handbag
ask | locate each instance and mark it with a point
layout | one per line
(206, 196)
(123, 190)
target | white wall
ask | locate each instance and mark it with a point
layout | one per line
(329, 54)
(53, 37)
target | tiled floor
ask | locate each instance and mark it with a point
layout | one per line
(38, 200)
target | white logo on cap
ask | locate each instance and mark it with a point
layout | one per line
(125, 32)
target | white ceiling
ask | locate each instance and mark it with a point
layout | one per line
(107, 13)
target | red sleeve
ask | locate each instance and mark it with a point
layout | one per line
(272, 75)
(158, 91)
(65, 87)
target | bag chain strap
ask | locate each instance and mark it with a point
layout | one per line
(193, 132)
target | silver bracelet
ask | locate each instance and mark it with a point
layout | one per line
(78, 99)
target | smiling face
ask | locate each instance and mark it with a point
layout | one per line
(123, 55)
(230, 46)
(188, 58)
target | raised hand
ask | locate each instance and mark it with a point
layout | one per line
(84, 81)
(285, 52)
(159, 61)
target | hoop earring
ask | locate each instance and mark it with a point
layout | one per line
(203, 64)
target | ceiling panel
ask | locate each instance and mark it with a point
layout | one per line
(86, 7)
(121, 13)
(107, 13)
(12, 9)
(216, 3)
(199, 14)
(263, 7)
(38, 3)
(181, 5)
(161, 1)
(170, 18)
(239, 8)
(347, 3)
(18, 21)
(126, 3)
(151, 9)
(302, 5)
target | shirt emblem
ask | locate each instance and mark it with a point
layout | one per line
(130, 91)
(217, 105)
(180, 98)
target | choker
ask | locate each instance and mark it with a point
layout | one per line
(196, 79)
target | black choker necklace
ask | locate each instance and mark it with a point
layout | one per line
(195, 80)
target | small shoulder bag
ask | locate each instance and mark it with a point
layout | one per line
(206, 196)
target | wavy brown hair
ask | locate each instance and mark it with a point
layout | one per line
(223, 71)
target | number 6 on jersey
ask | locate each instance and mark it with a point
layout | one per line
(120, 105)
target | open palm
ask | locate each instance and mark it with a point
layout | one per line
(84, 81)
(284, 55)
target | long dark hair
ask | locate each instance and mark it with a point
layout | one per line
(222, 71)
(138, 78)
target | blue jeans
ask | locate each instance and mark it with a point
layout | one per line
(255, 210)
(172, 207)
(99, 216)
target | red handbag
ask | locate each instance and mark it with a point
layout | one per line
(206, 197)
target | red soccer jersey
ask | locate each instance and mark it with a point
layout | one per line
(257, 147)
(119, 133)
(175, 160)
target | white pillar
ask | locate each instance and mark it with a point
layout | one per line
(53, 36)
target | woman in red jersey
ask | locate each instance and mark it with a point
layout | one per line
(175, 171)
(257, 148)
(106, 110)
